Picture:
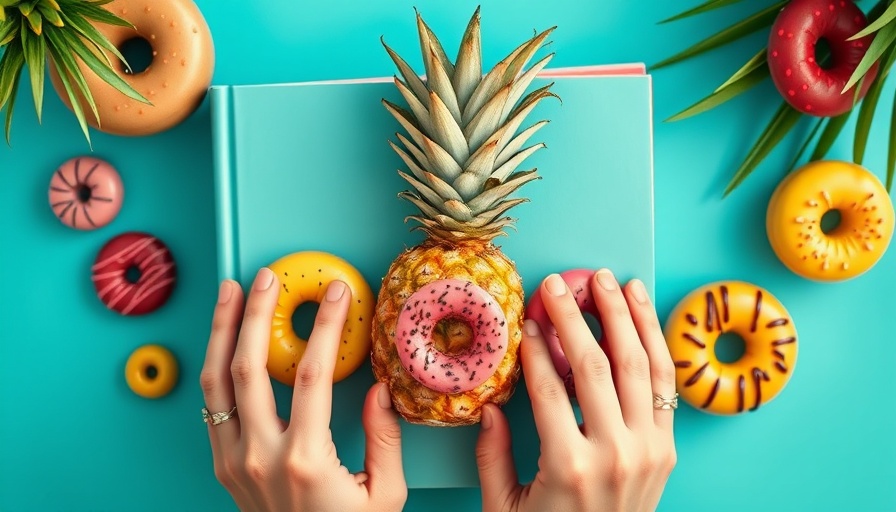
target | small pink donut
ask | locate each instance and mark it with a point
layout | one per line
(86, 193)
(462, 300)
(804, 84)
(579, 282)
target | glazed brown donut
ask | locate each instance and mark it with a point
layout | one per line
(176, 80)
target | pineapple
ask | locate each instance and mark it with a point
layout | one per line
(463, 152)
(63, 32)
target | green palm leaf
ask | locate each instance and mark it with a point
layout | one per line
(704, 7)
(831, 131)
(757, 21)
(869, 106)
(724, 93)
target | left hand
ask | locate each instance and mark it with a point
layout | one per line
(266, 463)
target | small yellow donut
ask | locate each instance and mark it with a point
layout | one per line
(304, 276)
(793, 220)
(694, 327)
(151, 371)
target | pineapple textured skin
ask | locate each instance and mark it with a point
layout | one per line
(478, 262)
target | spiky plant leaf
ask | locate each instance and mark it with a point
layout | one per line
(707, 6)
(869, 105)
(35, 52)
(881, 43)
(468, 70)
(757, 21)
(780, 125)
(756, 61)
(885, 18)
(805, 145)
(723, 94)
(831, 131)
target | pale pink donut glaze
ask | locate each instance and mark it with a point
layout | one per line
(579, 283)
(86, 193)
(451, 298)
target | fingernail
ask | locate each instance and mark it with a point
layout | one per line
(382, 397)
(606, 280)
(487, 420)
(638, 291)
(555, 285)
(264, 279)
(530, 327)
(335, 291)
(225, 291)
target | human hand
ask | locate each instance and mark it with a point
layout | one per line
(622, 454)
(266, 463)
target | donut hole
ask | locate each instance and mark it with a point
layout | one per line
(452, 336)
(137, 51)
(303, 319)
(730, 347)
(830, 221)
(84, 193)
(823, 53)
(151, 372)
(132, 274)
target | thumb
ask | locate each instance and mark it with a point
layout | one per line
(497, 473)
(382, 460)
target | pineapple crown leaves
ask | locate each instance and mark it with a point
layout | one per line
(463, 146)
(63, 30)
(755, 71)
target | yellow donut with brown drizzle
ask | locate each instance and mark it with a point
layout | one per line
(793, 220)
(694, 327)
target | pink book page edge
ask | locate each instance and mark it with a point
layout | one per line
(630, 69)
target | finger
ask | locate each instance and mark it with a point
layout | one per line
(554, 418)
(313, 394)
(590, 367)
(252, 386)
(382, 458)
(215, 379)
(631, 370)
(662, 370)
(497, 472)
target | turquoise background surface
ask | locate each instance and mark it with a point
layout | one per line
(73, 437)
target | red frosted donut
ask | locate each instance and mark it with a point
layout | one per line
(86, 193)
(134, 273)
(579, 282)
(804, 84)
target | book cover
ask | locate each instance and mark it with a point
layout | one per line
(307, 166)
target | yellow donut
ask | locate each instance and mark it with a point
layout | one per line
(176, 81)
(793, 220)
(694, 327)
(151, 371)
(304, 277)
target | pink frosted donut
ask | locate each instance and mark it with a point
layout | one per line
(451, 299)
(801, 80)
(579, 282)
(86, 193)
(134, 273)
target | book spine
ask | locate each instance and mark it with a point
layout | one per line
(223, 135)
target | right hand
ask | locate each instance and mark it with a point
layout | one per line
(621, 456)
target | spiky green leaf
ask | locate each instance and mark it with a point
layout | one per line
(751, 24)
(805, 145)
(881, 43)
(439, 82)
(10, 104)
(476, 170)
(468, 70)
(756, 61)
(488, 119)
(415, 151)
(485, 200)
(780, 125)
(882, 21)
(407, 73)
(99, 67)
(94, 11)
(720, 96)
(831, 131)
(35, 22)
(73, 99)
(11, 63)
(419, 111)
(50, 14)
(868, 108)
(61, 55)
(35, 51)
(96, 38)
(418, 172)
(707, 6)
(430, 43)
(517, 143)
(501, 173)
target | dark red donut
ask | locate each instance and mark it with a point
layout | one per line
(149, 259)
(802, 82)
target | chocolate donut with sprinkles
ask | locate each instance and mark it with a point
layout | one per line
(693, 329)
(134, 273)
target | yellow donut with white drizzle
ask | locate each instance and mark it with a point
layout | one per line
(304, 276)
(793, 220)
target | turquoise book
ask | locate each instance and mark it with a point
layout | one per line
(307, 166)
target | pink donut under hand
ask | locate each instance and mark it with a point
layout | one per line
(801, 80)
(579, 283)
(86, 193)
